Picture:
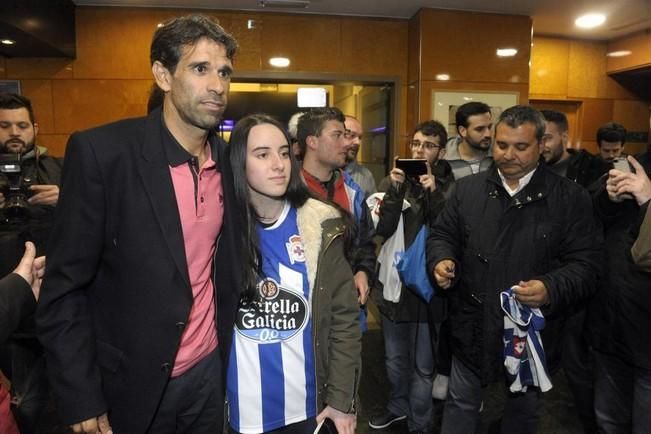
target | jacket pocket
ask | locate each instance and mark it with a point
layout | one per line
(108, 357)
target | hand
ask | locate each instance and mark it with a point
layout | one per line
(44, 195)
(637, 184)
(346, 423)
(31, 269)
(532, 293)
(361, 283)
(94, 425)
(427, 181)
(444, 273)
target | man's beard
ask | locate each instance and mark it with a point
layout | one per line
(9, 147)
(482, 145)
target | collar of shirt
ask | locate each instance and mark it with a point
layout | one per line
(177, 154)
(522, 182)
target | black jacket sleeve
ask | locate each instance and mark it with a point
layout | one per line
(391, 207)
(445, 237)
(363, 258)
(16, 302)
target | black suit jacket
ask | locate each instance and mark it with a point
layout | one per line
(116, 293)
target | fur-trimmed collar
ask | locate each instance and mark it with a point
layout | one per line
(310, 219)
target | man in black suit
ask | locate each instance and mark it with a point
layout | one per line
(141, 287)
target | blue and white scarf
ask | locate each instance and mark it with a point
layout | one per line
(524, 356)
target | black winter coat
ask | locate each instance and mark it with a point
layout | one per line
(425, 206)
(620, 314)
(546, 232)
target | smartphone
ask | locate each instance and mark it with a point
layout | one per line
(413, 167)
(622, 164)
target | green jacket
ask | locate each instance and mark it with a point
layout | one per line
(337, 337)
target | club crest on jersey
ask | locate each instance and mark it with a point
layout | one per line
(279, 314)
(295, 249)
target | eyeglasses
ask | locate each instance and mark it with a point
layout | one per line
(415, 144)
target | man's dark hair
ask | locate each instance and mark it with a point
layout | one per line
(313, 121)
(156, 98)
(611, 132)
(169, 40)
(470, 109)
(523, 114)
(557, 118)
(12, 101)
(433, 128)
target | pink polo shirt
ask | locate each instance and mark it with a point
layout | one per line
(199, 197)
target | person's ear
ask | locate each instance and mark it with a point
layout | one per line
(162, 76)
(312, 142)
(463, 131)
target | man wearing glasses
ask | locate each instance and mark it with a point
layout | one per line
(406, 323)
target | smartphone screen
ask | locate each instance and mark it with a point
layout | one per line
(413, 167)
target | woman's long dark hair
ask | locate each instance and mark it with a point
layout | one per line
(297, 194)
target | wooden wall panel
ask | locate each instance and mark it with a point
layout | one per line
(40, 93)
(640, 46)
(549, 65)
(374, 46)
(634, 115)
(248, 56)
(311, 43)
(595, 112)
(47, 68)
(587, 77)
(55, 143)
(464, 44)
(413, 73)
(81, 104)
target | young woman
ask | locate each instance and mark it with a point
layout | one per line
(295, 358)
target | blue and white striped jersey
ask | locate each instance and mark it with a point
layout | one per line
(271, 379)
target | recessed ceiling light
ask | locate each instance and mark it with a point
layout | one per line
(442, 77)
(506, 52)
(590, 21)
(279, 62)
(620, 53)
(7, 41)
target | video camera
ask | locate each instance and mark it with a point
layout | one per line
(15, 187)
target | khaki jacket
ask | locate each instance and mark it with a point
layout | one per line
(335, 312)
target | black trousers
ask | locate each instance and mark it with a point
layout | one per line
(193, 402)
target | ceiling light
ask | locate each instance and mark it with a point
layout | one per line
(620, 53)
(7, 42)
(442, 77)
(279, 62)
(284, 4)
(251, 24)
(590, 21)
(506, 52)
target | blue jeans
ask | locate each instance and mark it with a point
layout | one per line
(410, 370)
(622, 395)
(461, 413)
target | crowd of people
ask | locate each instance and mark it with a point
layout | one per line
(199, 286)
